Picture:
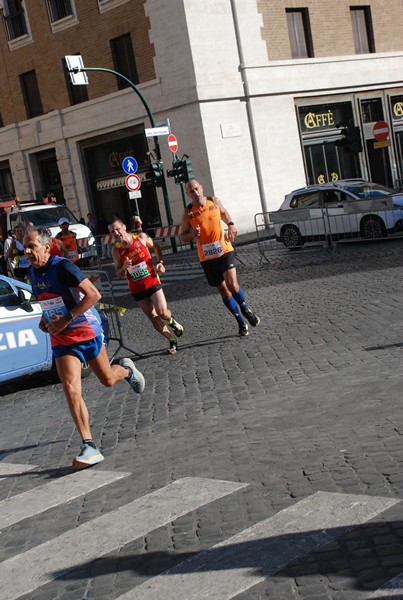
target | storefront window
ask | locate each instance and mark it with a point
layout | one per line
(103, 160)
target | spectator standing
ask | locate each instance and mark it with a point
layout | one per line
(15, 254)
(68, 238)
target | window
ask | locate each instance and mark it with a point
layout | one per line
(59, 9)
(77, 93)
(306, 200)
(299, 31)
(104, 5)
(31, 95)
(123, 60)
(362, 29)
(6, 181)
(14, 19)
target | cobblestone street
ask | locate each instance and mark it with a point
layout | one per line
(302, 414)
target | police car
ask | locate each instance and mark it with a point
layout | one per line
(24, 348)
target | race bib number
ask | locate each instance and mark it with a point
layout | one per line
(139, 271)
(53, 307)
(213, 250)
(23, 262)
(72, 255)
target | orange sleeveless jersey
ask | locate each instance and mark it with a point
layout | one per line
(70, 242)
(211, 243)
(142, 275)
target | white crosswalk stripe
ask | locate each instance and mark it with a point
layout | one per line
(7, 469)
(172, 275)
(222, 572)
(234, 566)
(52, 494)
(391, 589)
(22, 574)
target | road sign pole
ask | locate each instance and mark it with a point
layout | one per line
(151, 117)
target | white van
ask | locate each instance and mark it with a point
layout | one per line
(48, 215)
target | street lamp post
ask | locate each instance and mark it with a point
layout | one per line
(80, 69)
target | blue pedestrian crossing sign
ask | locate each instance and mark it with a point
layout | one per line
(129, 165)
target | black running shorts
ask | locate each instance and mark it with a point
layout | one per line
(147, 293)
(214, 268)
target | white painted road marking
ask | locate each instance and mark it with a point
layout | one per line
(391, 589)
(7, 469)
(14, 469)
(248, 558)
(48, 495)
(25, 572)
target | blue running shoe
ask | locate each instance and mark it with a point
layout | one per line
(87, 457)
(135, 379)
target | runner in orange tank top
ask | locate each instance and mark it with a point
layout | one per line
(201, 221)
(132, 259)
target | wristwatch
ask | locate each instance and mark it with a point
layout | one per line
(230, 223)
(69, 316)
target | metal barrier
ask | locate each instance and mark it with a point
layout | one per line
(161, 234)
(103, 247)
(108, 308)
(359, 220)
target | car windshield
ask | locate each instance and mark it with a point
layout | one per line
(368, 190)
(46, 217)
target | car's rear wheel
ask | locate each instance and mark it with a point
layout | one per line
(291, 236)
(372, 227)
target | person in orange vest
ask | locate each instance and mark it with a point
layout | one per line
(68, 239)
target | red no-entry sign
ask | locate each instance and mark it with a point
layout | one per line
(381, 130)
(172, 143)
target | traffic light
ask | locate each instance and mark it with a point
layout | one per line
(177, 171)
(182, 170)
(156, 173)
(354, 140)
(189, 173)
(351, 139)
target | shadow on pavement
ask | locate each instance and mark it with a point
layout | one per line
(294, 555)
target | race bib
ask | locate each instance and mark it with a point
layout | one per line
(53, 307)
(139, 271)
(72, 255)
(23, 262)
(213, 250)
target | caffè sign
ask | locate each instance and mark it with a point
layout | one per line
(322, 117)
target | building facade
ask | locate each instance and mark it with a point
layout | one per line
(257, 92)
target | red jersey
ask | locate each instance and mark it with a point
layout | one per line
(141, 275)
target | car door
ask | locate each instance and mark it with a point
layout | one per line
(341, 223)
(24, 348)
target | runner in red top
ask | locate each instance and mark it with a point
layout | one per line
(132, 258)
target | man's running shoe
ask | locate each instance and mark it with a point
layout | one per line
(135, 379)
(173, 346)
(87, 457)
(252, 318)
(243, 329)
(177, 327)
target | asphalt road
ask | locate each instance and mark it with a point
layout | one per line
(250, 468)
